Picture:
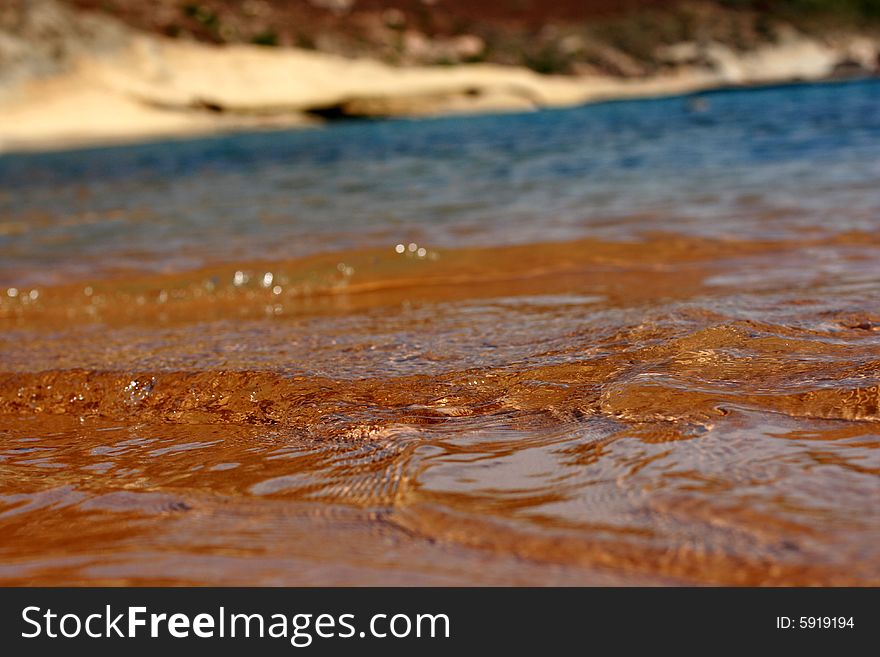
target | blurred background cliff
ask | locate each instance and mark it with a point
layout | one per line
(90, 71)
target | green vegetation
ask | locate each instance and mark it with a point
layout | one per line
(843, 9)
(305, 41)
(549, 60)
(639, 34)
(203, 15)
(265, 39)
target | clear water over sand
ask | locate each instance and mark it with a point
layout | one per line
(628, 343)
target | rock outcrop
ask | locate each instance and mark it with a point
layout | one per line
(69, 77)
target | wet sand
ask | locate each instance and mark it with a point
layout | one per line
(670, 410)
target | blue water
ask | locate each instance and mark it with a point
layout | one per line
(754, 163)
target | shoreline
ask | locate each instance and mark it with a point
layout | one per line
(146, 87)
(305, 122)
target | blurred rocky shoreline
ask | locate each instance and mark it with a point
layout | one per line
(80, 72)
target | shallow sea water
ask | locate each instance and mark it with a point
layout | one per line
(630, 343)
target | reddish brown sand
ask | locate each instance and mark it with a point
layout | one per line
(381, 418)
